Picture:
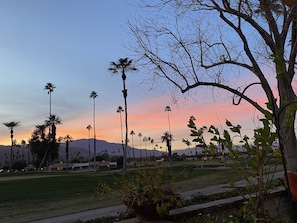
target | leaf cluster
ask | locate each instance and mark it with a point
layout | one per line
(255, 157)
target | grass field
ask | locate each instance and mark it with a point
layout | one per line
(35, 195)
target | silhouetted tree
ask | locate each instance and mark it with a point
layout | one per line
(94, 96)
(212, 43)
(120, 110)
(167, 137)
(132, 133)
(11, 125)
(45, 147)
(123, 65)
(67, 139)
(89, 127)
(50, 88)
(140, 135)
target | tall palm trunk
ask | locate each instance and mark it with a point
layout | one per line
(94, 95)
(89, 145)
(126, 120)
(133, 150)
(120, 111)
(50, 104)
(11, 149)
(124, 65)
(94, 136)
(11, 125)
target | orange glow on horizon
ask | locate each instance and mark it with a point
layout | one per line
(151, 121)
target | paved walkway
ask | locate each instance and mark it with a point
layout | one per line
(115, 210)
(85, 215)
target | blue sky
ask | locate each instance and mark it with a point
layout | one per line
(70, 43)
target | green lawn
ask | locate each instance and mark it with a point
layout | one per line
(28, 196)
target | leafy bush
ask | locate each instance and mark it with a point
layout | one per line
(150, 184)
(254, 157)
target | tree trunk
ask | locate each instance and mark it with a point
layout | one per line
(286, 115)
(125, 94)
(288, 139)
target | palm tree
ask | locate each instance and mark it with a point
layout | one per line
(156, 146)
(68, 139)
(140, 135)
(28, 152)
(51, 123)
(145, 140)
(168, 109)
(94, 95)
(120, 110)
(11, 125)
(132, 133)
(23, 146)
(167, 137)
(50, 88)
(123, 65)
(89, 127)
(40, 129)
(152, 142)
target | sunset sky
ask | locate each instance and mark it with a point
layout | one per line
(71, 43)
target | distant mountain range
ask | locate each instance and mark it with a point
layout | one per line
(80, 148)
